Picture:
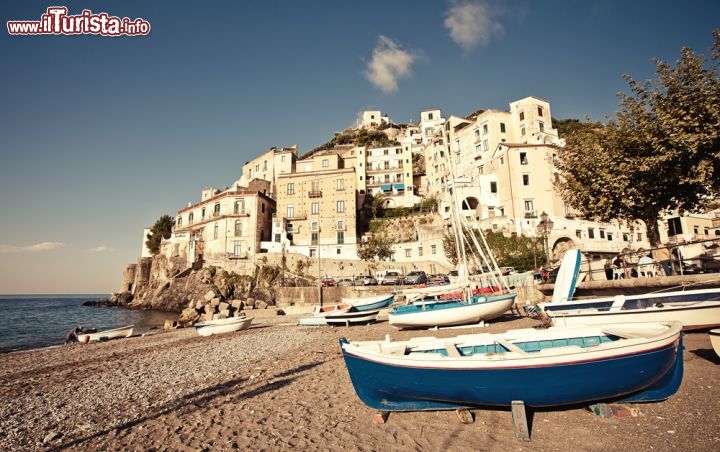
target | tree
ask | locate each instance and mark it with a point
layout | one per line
(377, 247)
(162, 229)
(660, 152)
(376, 204)
(512, 250)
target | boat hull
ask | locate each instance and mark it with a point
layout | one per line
(715, 340)
(210, 329)
(648, 376)
(116, 333)
(352, 318)
(370, 303)
(435, 315)
(692, 316)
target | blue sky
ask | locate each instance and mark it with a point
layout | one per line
(99, 136)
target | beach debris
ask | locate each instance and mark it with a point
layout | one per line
(602, 410)
(465, 416)
(381, 417)
(51, 436)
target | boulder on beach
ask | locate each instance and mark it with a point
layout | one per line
(209, 295)
(250, 302)
(236, 304)
(260, 305)
(215, 301)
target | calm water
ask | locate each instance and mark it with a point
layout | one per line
(31, 321)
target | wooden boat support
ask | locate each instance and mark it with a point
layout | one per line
(520, 420)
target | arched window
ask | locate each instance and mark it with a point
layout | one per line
(216, 210)
(216, 229)
(190, 218)
(238, 228)
(179, 222)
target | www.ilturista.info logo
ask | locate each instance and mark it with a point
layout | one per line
(57, 22)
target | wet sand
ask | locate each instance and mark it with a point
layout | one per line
(275, 387)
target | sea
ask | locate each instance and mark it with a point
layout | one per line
(34, 321)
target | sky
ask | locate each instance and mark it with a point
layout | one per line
(99, 136)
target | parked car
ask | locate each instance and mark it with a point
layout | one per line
(370, 281)
(391, 279)
(359, 280)
(344, 282)
(438, 279)
(328, 282)
(416, 277)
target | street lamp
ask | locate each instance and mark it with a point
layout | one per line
(543, 229)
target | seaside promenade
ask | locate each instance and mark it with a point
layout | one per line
(277, 386)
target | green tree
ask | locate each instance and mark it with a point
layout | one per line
(661, 151)
(162, 229)
(377, 247)
(512, 250)
(376, 204)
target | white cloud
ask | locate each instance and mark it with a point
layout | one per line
(36, 248)
(100, 249)
(472, 23)
(389, 63)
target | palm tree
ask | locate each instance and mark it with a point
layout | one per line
(377, 203)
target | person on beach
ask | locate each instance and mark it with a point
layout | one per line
(71, 337)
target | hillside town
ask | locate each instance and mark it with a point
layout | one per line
(501, 162)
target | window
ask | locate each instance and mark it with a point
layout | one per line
(485, 128)
(609, 236)
(314, 226)
(216, 229)
(238, 228)
(522, 131)
(408, 253)
(250, 173)
(485, 145)
(340, 237)
(542, 126)
(502, 211)
(591, 233)
(291, 189)
(315, 208)
(239, 206)
(262, 208)
(493, 187)
(340, 184)
(428, 131)
(202, 213)
(237, 247)
(420, 251)
(639, 237)
(540, 111)
(477, 133)
(265, 165)
(707, 231)
(502, 160)
(626, 238)
(315, 185)
(526, 179)
(313, 252)
(325, 163)
(578, 233)
(386, 165)
(216, 209)
(458, 158)
(340, 224)
(277, 238)
(502, 127)
(522, 116)
(457, 145)
(341, 206)
(602, 233)
(430, 116)
(190, 218)
(313, 238)
(179, 222)
(257, 168)
(282, 158)
(337, 251)
(478, 148)
(696, 229)
(290, 211)
(523, 158)
(528, 205)
(386, 152)
(433, 249)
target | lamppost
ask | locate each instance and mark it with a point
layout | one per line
(543, 229)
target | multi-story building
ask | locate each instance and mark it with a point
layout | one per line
(373, 118)
(268, 166)
(389, 171)
(317, 208)
(431, 121)
(224, 227)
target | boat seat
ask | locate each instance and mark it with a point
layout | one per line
(510, 346)
(452, 350)
(618, 303)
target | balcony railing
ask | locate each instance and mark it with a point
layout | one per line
(531, 214)
(237, 256)
(315, 194)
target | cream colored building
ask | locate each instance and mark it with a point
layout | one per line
(223, 229)
(317, 208)
(268, 167)
(389, 172)
(373, 118)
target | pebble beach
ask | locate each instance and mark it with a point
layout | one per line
(278, 386)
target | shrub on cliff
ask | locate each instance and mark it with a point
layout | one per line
(162, 229)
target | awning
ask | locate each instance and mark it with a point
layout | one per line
(399, 186)
(386, 187)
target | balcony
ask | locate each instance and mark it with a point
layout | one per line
(315, 194)
(294, 217)
(215, 214)
(233, 256)
(531, 214)
(340, 227)
(292, 229)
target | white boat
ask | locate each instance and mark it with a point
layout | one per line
(229, 325)
(482, 307)
(351, 317)
(715, 340)
(125, 331)
(567, 276)
(322, 311)
(695, 309)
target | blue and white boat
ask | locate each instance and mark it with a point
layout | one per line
(370, 303)
(450, 313)
(543, 368)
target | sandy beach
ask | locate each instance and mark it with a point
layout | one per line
(276, 386)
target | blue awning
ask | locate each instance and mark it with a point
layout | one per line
(399, 186)
(386, 187)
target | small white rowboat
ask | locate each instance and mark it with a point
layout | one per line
(212, 327)
(125, 331)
